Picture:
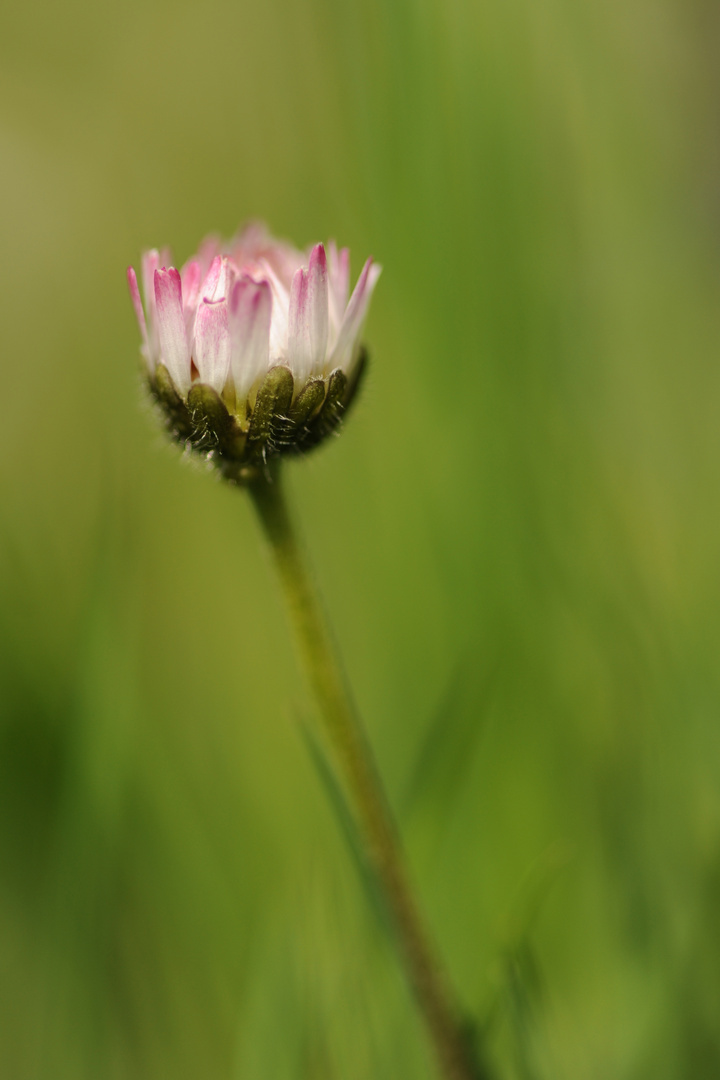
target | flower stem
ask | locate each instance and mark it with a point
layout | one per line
(353, 757)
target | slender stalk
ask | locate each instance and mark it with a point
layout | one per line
(354, 760)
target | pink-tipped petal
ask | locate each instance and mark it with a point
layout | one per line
(219, 280)
(212, 343)
(250, 243)
(249, 320)
(172, 335)
(209, 286)
(137, 304)
(355, 316)
(318, 306)
(255, 244)
(299, 352)
(190, 276)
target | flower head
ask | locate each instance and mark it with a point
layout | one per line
(252, 348)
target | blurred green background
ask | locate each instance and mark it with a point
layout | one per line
(516, 537)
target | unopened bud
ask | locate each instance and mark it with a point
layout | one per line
(252, 349)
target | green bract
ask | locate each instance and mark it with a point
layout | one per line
(242, 438)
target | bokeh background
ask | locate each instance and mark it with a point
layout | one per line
(516, 537)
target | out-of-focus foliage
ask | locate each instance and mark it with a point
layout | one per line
(517, 539)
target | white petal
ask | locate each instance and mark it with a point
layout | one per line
(211, 350)
(190, 276)
(308, 318)
(339, 287)
(280, 311)
(172, 336)
(354, 317)
(249, 321)
(318, 307)
(209, 287)
(137, 305)
(150, 263)
(298, 345)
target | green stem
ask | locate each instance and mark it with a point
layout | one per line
(355, 763)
